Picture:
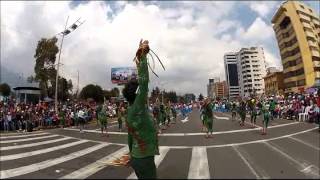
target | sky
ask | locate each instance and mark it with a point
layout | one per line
(190, 37)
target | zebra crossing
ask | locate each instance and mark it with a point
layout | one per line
(46, 155)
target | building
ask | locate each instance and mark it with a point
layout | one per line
(221, 89)
(252, 69)
(231, 70)
(210, 87)
(297, 29)
(274, 84)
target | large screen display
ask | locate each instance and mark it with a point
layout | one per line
(121, 75)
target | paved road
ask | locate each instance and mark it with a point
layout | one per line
(289, 150)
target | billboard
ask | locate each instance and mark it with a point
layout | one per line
(121, 75)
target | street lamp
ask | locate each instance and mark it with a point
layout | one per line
(65, 32)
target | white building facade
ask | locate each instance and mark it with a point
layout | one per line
(232, 75)
(251, 70)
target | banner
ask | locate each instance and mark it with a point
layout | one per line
(122, 75)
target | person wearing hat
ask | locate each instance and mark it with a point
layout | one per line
(242, 112)
(253, 113)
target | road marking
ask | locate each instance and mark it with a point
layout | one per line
(41, 151)
(301, 165)
(22, 135)
(33, 144)
(199, 167)
(92, 168)
(192, 134)
(305, 143)
(244, 143)
(157, 160)
(221, 117)
(48, 163)
(27, 139)
(185, 120)
(235, 148)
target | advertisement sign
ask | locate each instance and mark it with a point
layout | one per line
(122, 75)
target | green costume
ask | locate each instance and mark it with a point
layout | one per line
(62, 118)
(242, 111)
(253, 115)
(266, 115)
(167, 110)
(208, 116)
(102, 117)
(162, 114)
(121, 115)
(174, 114)
(142, 136)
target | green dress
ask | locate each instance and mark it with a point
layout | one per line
(102, 117)
(266, 115)
(62, 118)
(167, 110)
(208, 116)
(142, 135)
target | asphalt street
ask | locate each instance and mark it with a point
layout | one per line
(289, 150)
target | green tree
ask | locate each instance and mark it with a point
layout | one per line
(200, 98)
(45, 57)
(171, 96)
(5, 89)
(92, 91)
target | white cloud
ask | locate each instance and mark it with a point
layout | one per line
(185, 38)
(263, 8)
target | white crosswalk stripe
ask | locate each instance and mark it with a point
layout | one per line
(48, 163)
(27, 139)
(22, 135)
(96, 166)
(41, 151)
(199, 167)
(33, 144)
(158, 159)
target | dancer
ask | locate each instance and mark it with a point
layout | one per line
(233, 111)
(208, 117)
(242, 112)
(142, 135)
(266, 117)
(174, 114)
(168, 114)
(253, 115)
(103, 119)
(121, 114)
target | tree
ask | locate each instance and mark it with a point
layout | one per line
(155, 93)
(171, 96)
(5, 89)
(200, 98)
(92, 91)
(31, 79)
(45, 58)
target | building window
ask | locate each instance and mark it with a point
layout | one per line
(301, 82)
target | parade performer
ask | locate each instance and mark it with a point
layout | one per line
(162, 117)
(168, 114)
(266, 118)
(253, 115)
(208, 116)
(121, 114)
(142, 135)
(233, 111)
(103, 119)
(62, 118)
(156, 115)
(174, 114)
(202, 117)
(242, 112)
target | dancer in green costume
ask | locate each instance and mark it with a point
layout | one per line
(266, 118)
(142, 135)
(208, 117)
(103, 119)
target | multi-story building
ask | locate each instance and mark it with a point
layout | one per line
(274, 82)
(297, 29)
(252, 69)
(231, 70)
(210, 88)
(221, 89)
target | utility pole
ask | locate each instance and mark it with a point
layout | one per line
(77, 84)
(65, 32)
(58, 65)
